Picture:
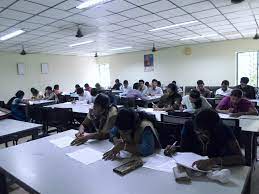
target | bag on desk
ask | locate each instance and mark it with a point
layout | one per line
(128, 167)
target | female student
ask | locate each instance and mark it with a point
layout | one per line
(99, 121)
(134, 132)
(169, 101)
(50, 95)
(194, 102)
(36, 94)
(206, 135)
(17, 110)
(56, 89)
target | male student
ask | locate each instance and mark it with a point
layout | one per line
(248, 91)
(117, 85)
(76, 87)
(180, 91)
(83, 95)
(18, 112)
(56, 89)
(154, 90)
(142, 87)
(125, 88)
(87, 87)
(235, 105)
(203, 91)
(224, 90)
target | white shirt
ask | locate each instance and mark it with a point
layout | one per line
(190, 107)
(85, 97)
(125, 90)
(222, 93)
(156, 91)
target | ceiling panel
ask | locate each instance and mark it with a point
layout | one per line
(159, 6)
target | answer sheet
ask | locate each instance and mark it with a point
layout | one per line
(62, 142)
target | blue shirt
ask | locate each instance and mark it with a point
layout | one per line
(17, 111)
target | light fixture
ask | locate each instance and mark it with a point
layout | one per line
(79, 33)
(23, 51)
(81, 43)
(90, 3)
(11, 35)
(198, 37)
(173, 26)
(154, 48)
(236, 1)
(256, 37)
(96, 55)
(121, 48)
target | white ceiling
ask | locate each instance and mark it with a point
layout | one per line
(51, 25)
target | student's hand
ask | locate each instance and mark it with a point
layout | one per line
(204, 164)
(80, 139)
(80, 133)
(170, 150)
(111, 154)
(230, 110)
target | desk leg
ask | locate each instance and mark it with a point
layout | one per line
(3, 184)
(250, 147)
(35, 134)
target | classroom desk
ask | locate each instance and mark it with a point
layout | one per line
(153, 112)
(39, 102)
(44, 168)
(12, 129)
(116, 92)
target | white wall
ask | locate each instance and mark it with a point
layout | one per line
(63, 70)
(211, 62)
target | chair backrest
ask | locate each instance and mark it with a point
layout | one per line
(2, 104)
(174, 119)
(231, 122)
(35, 114)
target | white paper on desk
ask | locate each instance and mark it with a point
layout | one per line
(186, 159)
(252, 117)
(159, 163)
(62, 142)
(124, 154)
(86, 155)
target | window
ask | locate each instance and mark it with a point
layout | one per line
(104, 75)
(247, 66)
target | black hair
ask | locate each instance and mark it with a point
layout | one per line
(154, 80)
(34, 91)
(129, 119)
(141, 80)
(244, 80)
(207, 119)
(136, 86)
(147, 84)
(77, 86)
(172, 87)
(199, 82)
(56, 87)
(117, 80)
(125, 82)
(196, 95)
(103, 100)
(159, 84)
(225, 82)
(48, 88)
(237, 93)
(94, 92)
(97, 85)
(174, 82)
(79, 90)
(19, 94)
(86, 85)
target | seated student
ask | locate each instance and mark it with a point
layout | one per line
(117, 85)
(224, 90)
(248, 91)
(94, 94)
(87, 88)
(18, 112)
(99, 121)
(50, 95)
(56, 90)
(154, 89)
(170, 101)
(194, 102)
(159, 84)
(98, 87)
(134, 93)
(125, 88)
(147, 85)
(76, 87)
(203, 91)
(36, 94)
(134, 132)
(180, 91)
(235, 105)
(206, 135)
(142, 87)
(83, 95)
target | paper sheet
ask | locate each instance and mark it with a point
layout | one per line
(159, 163)
(86, 155)
(187, 159)
(62, 142)
(2, 113)
(124, 154)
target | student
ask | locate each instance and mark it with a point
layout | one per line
(159, 84)
(83, 95)
(36, 94)
(94, 93)
(154, 90)
(224, 90)
(180, 91)
(147, 85)
(117, 85)
(50, 95)
(98, 87)
(134, 132)
(125, 88)
(56, 90)
(170, 101)
(142, 87)
(206, 135)
(99, 121)
(87, 87)
(135, 93)
(203, 91)
(248, 91)
(194, 102)
(76, 87)
(18, 112)
(235, 105)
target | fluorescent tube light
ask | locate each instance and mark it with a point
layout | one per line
(90, 3)
(173, 26)
(197, 37)
(11, 35)
(81, 43)
(122, 48)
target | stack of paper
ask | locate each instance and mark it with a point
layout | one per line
(62, 142)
